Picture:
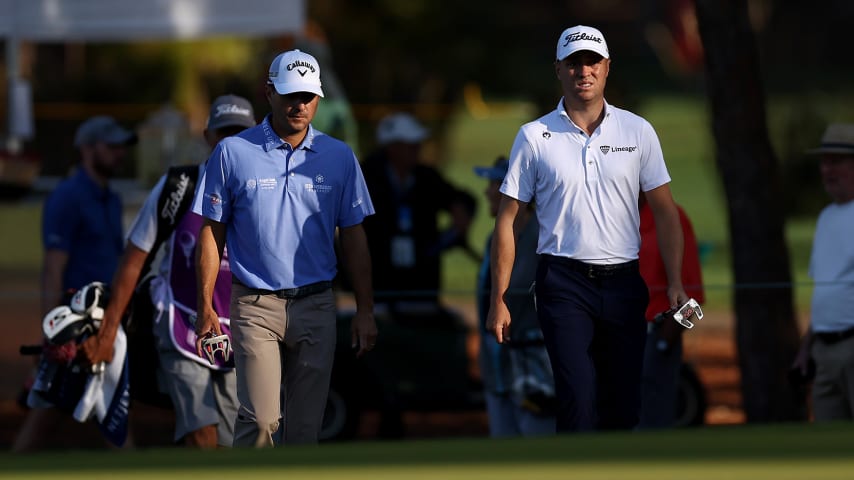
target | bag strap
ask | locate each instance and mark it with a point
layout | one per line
(174, 201)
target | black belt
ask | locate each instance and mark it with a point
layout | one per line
(833, 337)
(290, 293)
(591, 270)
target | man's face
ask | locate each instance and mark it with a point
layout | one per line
(403, 155)
(106, 158)
(837, 175)
(583, 76)
(292, 113)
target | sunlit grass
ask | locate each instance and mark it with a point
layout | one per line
(786, 451)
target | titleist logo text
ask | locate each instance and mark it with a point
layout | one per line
(170, 209)
(575, 37)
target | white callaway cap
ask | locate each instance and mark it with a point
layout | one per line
(578, 38)
(295, 71)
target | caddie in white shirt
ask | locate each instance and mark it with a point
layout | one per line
(585, 164)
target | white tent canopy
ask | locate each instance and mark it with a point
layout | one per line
(127, 21)
(133, 20)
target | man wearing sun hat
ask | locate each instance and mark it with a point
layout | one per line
(829, 339)
(275, 194)
(585, 164)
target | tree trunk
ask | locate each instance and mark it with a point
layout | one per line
(766, 330)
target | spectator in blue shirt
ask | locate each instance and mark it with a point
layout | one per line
(81, 234)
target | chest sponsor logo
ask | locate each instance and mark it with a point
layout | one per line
(547, 135)
(318, 186)
(267, 183)
(312, 187)
(251, 184)
(605, 149)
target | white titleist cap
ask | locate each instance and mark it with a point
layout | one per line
(579, 37)
(295, 71)
(400, 127)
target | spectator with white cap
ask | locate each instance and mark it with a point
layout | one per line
(405, 240)
(276, 194)
(404, 235)
(585, 163)
(203, 395)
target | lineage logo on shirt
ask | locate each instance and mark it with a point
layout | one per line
(605, 149)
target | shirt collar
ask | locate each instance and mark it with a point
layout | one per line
(272, 141)
(561, 111)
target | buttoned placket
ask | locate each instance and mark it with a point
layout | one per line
(288, 152)
(589, 157)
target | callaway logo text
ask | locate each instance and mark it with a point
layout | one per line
(300, 63)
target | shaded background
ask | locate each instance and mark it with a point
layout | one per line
(472, 71)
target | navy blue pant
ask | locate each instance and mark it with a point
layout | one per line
(595, 332)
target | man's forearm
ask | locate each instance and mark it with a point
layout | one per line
(671, 245)
(503, 249)
(208, 257)
(122, 288)
(357, 257)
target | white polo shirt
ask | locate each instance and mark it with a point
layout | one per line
(586, 187)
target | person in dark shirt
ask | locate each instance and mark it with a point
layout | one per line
(404, 236)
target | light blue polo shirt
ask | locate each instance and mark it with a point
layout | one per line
(281, 205)
(586, 187)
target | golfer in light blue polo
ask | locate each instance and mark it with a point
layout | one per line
(275, 195)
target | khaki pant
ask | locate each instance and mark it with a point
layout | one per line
(283, 349)
(833, 387)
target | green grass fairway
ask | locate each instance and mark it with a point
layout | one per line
(776, 452)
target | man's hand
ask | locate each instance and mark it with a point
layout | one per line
(96, 349)
(207, 324)
(363, 330)
(677, 296)
(498, 322)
